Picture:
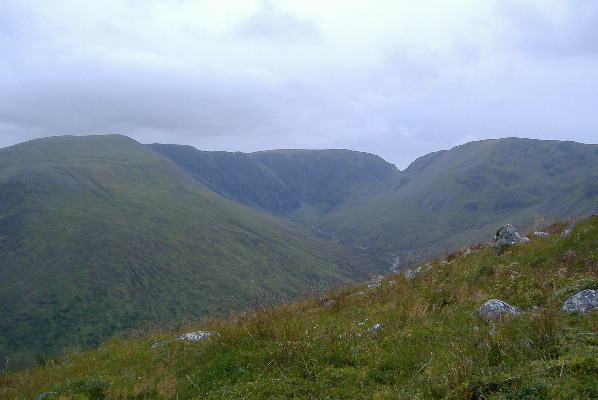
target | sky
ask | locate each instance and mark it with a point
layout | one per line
(396, 78)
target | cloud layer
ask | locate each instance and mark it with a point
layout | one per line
(393, 78)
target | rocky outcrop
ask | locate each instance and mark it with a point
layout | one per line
(495, 309)
(583, 302)
(506, 236)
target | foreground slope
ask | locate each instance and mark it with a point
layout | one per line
(99, 234)
(451, 198)
(398, 338)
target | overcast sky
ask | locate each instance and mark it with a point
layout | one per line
(396, 78)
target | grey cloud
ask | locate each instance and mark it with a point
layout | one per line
(270, 23)
(572, 33)
(87, 97)
(253, 89)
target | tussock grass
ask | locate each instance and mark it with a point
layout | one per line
(430, 345)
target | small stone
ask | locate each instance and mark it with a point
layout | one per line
(567, 231)
(507, 235)
(583, 302)
(375, 328)
(375, 282)
(469, 251)
(191, 336)
(153, 346)
(495, 309)
(196, 336)
(410, 273)
(329, 303)
(541, 234)
(46, 394)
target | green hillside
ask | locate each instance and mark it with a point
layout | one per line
(449, 199)
(295, 184)
(400, 338)
(443, 201)
(100, 234)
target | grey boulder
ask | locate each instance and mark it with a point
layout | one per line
(507, 235)
(495, 309)
(583, 302)
(191, 337)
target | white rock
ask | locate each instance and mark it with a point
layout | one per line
(191, 336)
(196, 336)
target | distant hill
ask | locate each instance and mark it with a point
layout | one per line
(442, 201)
(100, 234)
(296, 184)
(452, 198)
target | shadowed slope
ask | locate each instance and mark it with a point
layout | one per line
(295, 184)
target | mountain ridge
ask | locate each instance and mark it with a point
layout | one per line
(295, 184)
(101, 234)
(464, 191)
(475, 187)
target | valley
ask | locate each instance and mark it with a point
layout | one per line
(100, 235)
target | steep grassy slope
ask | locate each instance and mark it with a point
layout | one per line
(448, 199)
(100, 233)
(328, 180)
(296, 184)
(442, 201)
(235, 176)
(428, 343)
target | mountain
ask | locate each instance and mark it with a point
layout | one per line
(441, 202)
(409, 336)
(295, 184)
(449, 199)
(100, 234)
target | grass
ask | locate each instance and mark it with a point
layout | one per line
(431, 344)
